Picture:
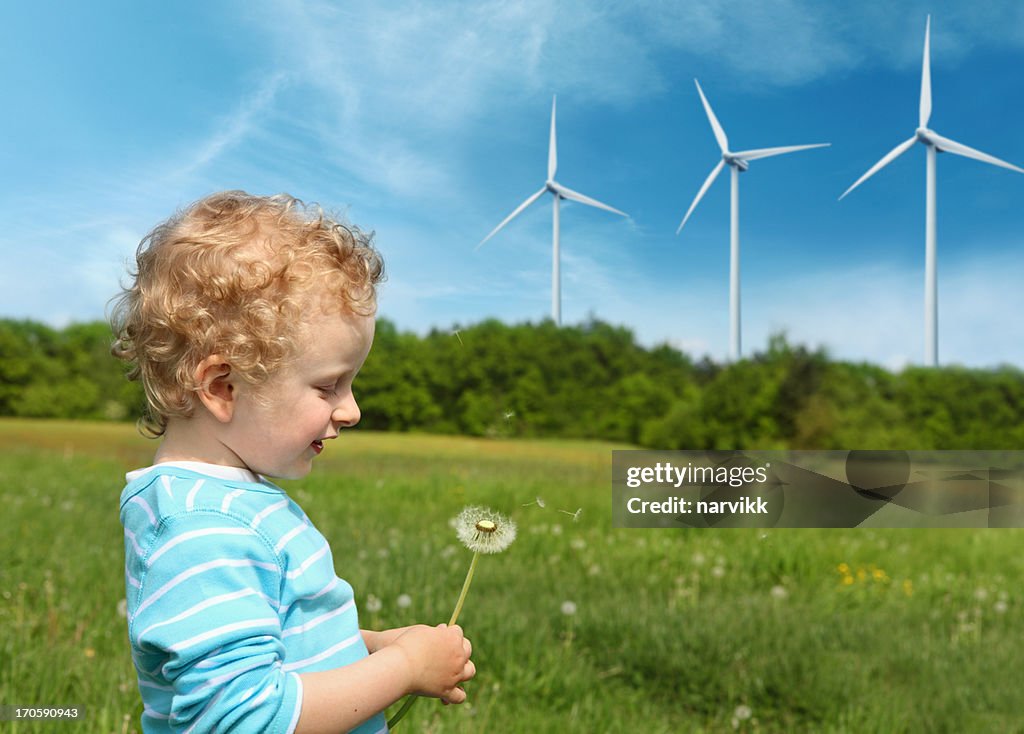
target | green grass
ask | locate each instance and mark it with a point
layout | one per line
(674, 631)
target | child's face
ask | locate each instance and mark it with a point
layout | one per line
(304, 403)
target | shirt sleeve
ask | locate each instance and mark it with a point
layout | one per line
(208, 613)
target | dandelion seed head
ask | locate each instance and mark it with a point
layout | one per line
(568, 608)
(743, 712)
(373, 604)
(484, 531)
(1000, 607)
(404, 601)
(779, 592)
(122, 608)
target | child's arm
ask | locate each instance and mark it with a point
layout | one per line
(429, 661)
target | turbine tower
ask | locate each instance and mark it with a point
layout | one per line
(559, 192)
(738, 162)
(934, 143)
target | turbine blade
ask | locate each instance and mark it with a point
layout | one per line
(723, 142)
(552, 145)
(566, 193)
(889, 158)
(753, 155)
(700, 194)
(511, 216)
(926, 77)
(951, 146)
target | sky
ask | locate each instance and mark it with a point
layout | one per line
(428, 123)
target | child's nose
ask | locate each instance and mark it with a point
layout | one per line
(347, 413)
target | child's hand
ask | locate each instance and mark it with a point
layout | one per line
(438, 661)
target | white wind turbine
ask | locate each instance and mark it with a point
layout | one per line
(738, 162)
(934, 143)
(559, 192)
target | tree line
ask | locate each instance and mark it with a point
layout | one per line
(587, 381)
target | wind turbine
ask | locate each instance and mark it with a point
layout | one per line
(559, 192)
(738, 162)
(933, 143)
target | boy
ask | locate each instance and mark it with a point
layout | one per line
(247, 320)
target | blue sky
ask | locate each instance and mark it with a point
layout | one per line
(428, 123)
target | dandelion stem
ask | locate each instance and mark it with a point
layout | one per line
(454, 618)
(465, 590)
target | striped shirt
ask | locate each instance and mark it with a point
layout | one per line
(231, 594)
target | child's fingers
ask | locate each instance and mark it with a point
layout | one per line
(468, 671)
(467, 646)
(455, 695)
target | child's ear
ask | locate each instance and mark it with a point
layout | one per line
(216, 389)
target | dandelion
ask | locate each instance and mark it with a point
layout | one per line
(779, 592)
(574, 515)
(539, 502)
(1000, 607)
(122, 608)
(404, 601)
(482, 531)
(373, 604)
(740, 715)
(568, 608)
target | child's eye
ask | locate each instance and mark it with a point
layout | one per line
(328, 391)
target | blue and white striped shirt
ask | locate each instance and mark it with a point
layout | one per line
(231, 594)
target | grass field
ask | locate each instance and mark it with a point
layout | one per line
(673, 630)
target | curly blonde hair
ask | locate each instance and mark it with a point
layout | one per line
(234, 275)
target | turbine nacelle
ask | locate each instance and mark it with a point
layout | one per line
(734, 160)
(926, 136)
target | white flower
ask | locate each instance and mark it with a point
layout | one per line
(779, 592)
(373, 604)
(484, 531)
(743, 712)
(1000, 607)
(403, 601)
(568, 608)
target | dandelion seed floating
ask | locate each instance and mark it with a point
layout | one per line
(482, 530)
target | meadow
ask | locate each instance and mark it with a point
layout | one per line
(578, 627)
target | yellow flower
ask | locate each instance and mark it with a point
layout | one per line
(843, 568)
